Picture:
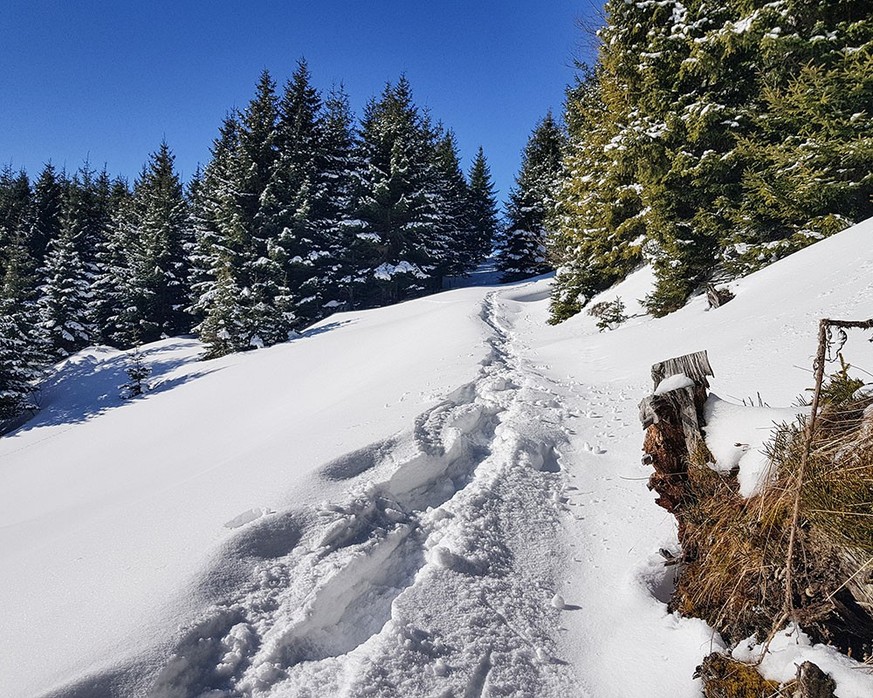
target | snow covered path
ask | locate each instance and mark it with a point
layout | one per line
(478, 554)
(434, 576)
(469, 553)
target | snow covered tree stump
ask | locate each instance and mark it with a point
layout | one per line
(673, 418)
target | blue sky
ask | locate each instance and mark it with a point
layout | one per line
(108, 80)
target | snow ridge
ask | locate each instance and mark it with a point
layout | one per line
(340, 600)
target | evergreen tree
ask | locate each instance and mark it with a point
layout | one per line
(235, 251)
(158, 236)
(453, 220)
(68, 305)
(397, 251)
(730, 134)
(15, 197)
(598, 224)
(483, 211)
(522, 248)
(22, 345)
(113, 307)
(326, 286)
(217, 221)
(224, 329)
(66, 297)
(47, 207)
(137, 371)
(292, 198)
(810, 158)
(258, 274)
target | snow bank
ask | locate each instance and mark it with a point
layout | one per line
(112, 510)
(736, 436)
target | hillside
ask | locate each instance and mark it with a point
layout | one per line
(443, 497)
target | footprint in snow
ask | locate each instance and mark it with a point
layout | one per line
(247, 517)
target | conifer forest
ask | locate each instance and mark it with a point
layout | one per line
(707, 139)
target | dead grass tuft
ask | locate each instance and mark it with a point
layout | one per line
(735, 551)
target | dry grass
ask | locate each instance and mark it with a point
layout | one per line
(735, 550)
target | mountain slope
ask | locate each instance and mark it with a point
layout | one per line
(443, 497)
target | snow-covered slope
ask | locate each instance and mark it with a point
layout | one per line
(443, 497)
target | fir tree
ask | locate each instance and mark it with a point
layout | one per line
(68, 305)
(15, 198)
(158, 236)
(292, 198)
(137, 372)
(397, 252)
(113, 308)
(218, 226)
(258, 273)
(234, 272)
(483, 211)
(47, 207)
(809, 161)
(598, 224)
(522, 249)
(22, 344)
(453, 221)
(326, 287)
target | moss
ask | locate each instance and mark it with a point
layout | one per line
(724, 677)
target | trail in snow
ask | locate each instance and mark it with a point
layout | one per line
(433, 577)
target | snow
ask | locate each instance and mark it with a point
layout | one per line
(443, 497)
(736, 436)
(386, 271)
(674, 382)
(792, 647)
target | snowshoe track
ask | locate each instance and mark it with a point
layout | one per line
(444, 512)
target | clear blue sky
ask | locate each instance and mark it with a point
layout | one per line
(107, 80)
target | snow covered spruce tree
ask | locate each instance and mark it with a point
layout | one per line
(267, 316)
(68, 305)
(217, 221)
(599, 218)
(15, 206)
(22, 343)
(236, 253)
(308, 196)
(286, 206)
(326, 288)
(46, 209)
(742, 128)
(298, 214)
(695, 92)
(113, 310)
(522, 244)
(484, 217)
(401, 243)
(810, 158)
(146, 256)
(454, 221)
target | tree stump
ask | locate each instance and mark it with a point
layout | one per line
(673, 420)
